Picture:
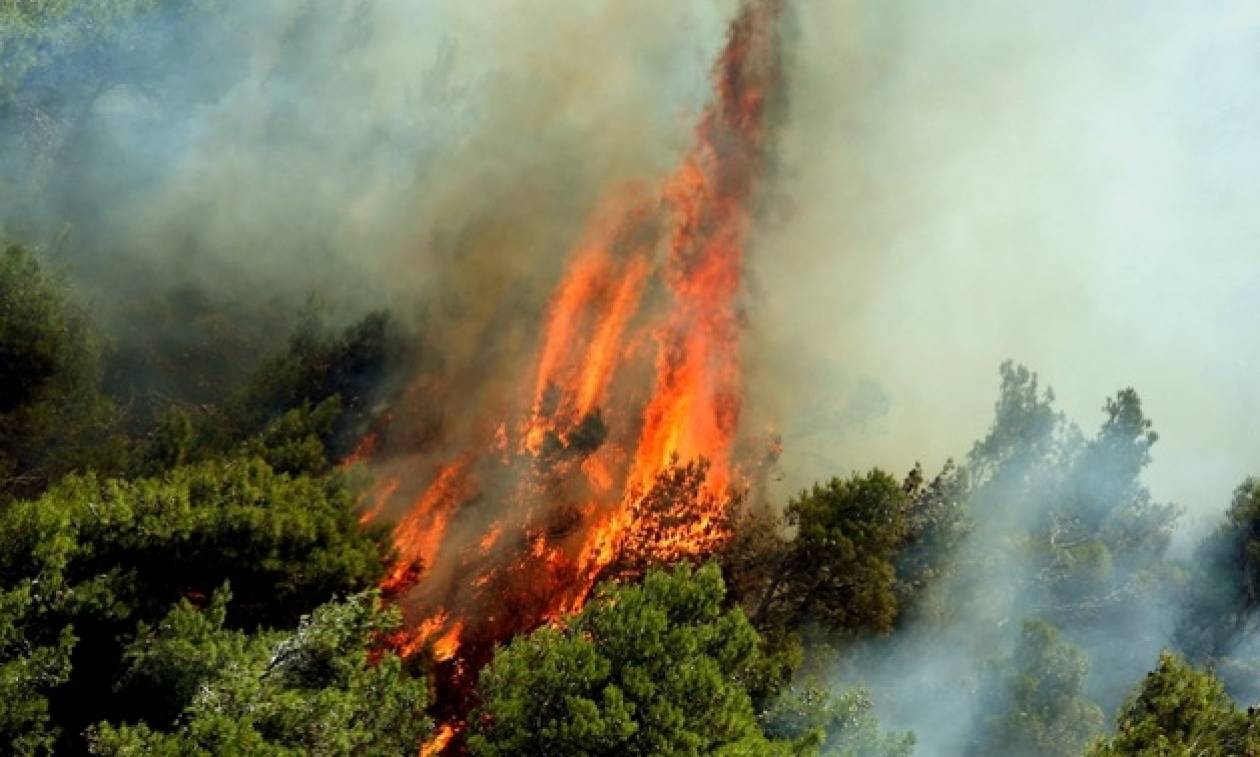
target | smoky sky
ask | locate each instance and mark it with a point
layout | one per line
(414, 155)
(1069, 185)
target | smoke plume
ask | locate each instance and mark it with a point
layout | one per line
(938, 188)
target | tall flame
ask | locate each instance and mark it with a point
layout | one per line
(620, 457)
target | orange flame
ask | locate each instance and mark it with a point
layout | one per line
(617, 459)
(438, 741)
(446, 645)
(383, 495)
(419, 535)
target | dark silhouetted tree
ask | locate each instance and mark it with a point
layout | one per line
(52, 417)
(1222, 600)
(937, 526)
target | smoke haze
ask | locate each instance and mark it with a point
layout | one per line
(1069, 185)
(1066, 184)
(377, 154)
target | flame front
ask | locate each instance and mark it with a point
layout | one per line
(622, 453)
(439, 741)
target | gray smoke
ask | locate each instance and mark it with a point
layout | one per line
(203, 176)
(1065, 184)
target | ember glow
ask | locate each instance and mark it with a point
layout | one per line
(622, 450)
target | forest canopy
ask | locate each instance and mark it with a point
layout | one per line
(249, 506)
(206, 586)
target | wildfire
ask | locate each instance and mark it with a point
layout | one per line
(446, 646)
(381, 498)
(441, 738)
(418, 536)
(618, 458)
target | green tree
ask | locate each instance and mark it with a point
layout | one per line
(95, 556)
(1028, 436)
(1105, 510)
(301, 409)
(292, 443)
(1178, 711)
(1035, 699)
(749, 559)
(1067, 521)
(29, 670)
(324, 689)
(838, 569)
(1075, 507)
(841, 723)
(656, 668)
(320, 363)
(166, 663)
(758, 544)
(1224, 594)
(938, 523)
(51, 415)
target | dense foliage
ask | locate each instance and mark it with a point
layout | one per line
(182, 571)
(92, 567)
(192, 584)
(317, 690)
(841, 721)
(92, 558)
(1220, 619)
(656, 668)
(1179, 710)
(838, 570)
(51, 413)
(1036, 699)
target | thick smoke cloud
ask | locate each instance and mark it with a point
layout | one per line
(1065, 184)
(370, 153)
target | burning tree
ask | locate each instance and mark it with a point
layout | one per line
(619, 456)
